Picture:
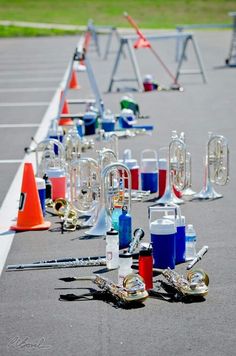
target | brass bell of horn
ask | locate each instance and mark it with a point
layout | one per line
(216, 167)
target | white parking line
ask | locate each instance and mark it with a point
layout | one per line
(9, 208)
(13, 126)
(16, 72)
(11, 160)
(18, 80)
(39, 103)
(25, 90)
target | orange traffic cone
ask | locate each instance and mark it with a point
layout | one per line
(30, 216)
(74, 81)
(142, 43)
(65, 110)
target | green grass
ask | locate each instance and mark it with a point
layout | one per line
(14, 31)
(147, 13)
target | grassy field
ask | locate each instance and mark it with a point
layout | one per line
(147, 13)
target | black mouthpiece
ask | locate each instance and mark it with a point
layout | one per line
(67, 279)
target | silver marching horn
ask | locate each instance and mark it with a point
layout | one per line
(176, 174)
(85, 183)
(188, 191)
(216, 167)
(49, 158)
(109, 140)
(113, 191)
(72, 144)
(106, 156)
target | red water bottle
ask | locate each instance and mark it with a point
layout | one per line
(146, 264)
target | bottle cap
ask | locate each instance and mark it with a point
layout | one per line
(180, 220)
(145, 249)
(45, 177)
(55, 172)
(124, 210)
(162, 227)
(90, 115)
(162, 163)
(148, 78)
(131, 163)
(40, 182)
(149, 164)
(112, 232)
(125, 254)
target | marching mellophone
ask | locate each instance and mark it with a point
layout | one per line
(216, 167)
(176, 174)
(113, 177)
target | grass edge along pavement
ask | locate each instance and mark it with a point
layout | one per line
(8, 31)
(149, 14)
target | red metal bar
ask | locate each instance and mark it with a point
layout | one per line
(143, 42)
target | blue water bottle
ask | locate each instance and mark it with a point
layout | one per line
(55, 132)
(125, 229)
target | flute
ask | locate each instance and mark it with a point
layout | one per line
(60, 263)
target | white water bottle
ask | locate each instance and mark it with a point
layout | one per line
(190, 239)
(125, 266)
(112, 249)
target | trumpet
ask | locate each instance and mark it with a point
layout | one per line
(176, 175)
(132, 292)
(216, 167)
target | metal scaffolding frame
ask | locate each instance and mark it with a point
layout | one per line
(127, 42)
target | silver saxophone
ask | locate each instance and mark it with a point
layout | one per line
(132, 291)
(194, 285)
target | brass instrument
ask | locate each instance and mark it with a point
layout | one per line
(109, 140)
(216, 167)
(113, 190)
(187, 192)
(106, 156)
(194, 285)
(132, 291)
(46, 149)
(65, 211)
(176, 175)
(84, 184)
(72, 144)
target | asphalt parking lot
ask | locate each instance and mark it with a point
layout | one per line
(33, 320)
